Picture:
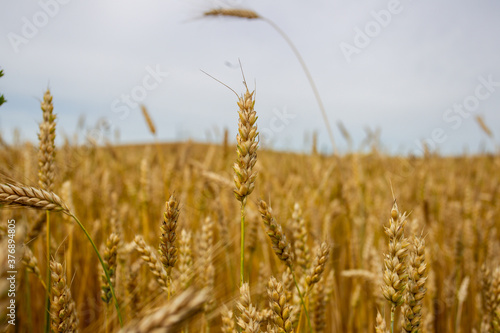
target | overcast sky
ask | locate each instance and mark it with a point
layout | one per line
(417, 70)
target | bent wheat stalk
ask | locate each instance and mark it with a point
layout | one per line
(250, 14)
(35, 198)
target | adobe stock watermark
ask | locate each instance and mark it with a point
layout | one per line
(279, 121)
(372, 29)
(455, 115)
(31, 26)
(152, 80)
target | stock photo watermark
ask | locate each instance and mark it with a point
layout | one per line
(32, 26)
(455, 115)
(126, 102)
(363, 37)
(11, 271)
(277, 124)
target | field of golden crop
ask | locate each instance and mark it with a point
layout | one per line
(167, 225)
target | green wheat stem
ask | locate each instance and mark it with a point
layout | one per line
(302, 301)
(103, 267)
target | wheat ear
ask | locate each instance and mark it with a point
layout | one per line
(416, 287)
(31, 197)
(278, 303)
(110, 260)
(47, 135)
(154, 264)
(395, 274)
(249, 320)
(62, 307)
(168, 249)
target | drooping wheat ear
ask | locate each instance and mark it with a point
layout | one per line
(381, 326)
(47, 135)
(168, 250)
(234, 12)
(302, 256)
(110, 261)
(278, 239)
(319, 264)
(148, 119)
(281, 308)
(172, 316)
(154, 264)
(228, 325)
(31, 197)
(29, 260)
(248, 320)
(62, 307)
(185, 259)
(416, 287)
(246, 144)
(396, 273)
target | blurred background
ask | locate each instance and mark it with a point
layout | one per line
(397, 72)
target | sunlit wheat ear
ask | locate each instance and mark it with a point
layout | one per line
(246, 147)
(154, 264)
(234, 12)
(319, 265)
(248, 320)
(278, 303)
(172, 316)
(416, 287)
(31, 197)
(168, 249)
(278, 239)
(46, 153)
(228, 324)
(110, 261)
(62, 307)
(396, 271)
(396, 274)
(381, 326)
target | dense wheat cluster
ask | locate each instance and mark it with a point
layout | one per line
(363, 242)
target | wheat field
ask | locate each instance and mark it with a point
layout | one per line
(230, 237)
